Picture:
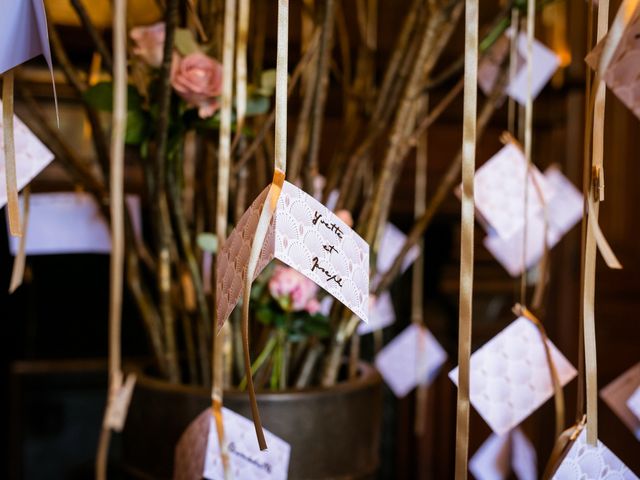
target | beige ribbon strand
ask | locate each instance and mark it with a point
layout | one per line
(116, 265)
(522, 311)
(597, 112)
(561, 447)
(241, 64)
(13, 205)
(269, 207)
(466, 237)
(19, 262)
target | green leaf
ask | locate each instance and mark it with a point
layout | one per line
(184, 42)
(136, 127)
(257, 105)
(100, 97)
(208, 242)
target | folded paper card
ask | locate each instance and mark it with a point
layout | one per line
(500, 455)
(634, 403)
(499, 191)
(617, 394)
(381, 314)
(23, 32)
(31, 156)
(624, 70)
(412, 358)
(584, 461)
(308, 237)
(510, 375)
(490, 64)
(69, 222)
(564, 210)
(391, 243)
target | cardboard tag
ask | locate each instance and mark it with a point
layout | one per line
(617, 394)
(564, 210)
(246, 459)
(31, 154)
(381, 314)
(412, 358)
(23, 27)
(634, 403)
(624, 70)
(545, 64)
(118, 408)
(591, 462)
(308, 237)
(510, 375)
(498, 456)
(70, 222)
(499, 191)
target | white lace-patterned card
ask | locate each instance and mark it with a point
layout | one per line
(499, 191)
(69, 222)
(584, 461)
(245, 457)
(412, 358)
(499, 455)
(633, 403)
(510, 375)
(391, 243)
(564, 210)
(31, 157)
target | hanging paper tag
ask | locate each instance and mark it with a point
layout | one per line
(490, 66)
(592, 462)
(510, 375)
(498, 456)
(31, 156)
(499, 190)
(308, 237)
(634, 403)
(412, 358)
(391, 244)
(622, 73)
(381, 314)
(246, 459)
(617, 394)
(69, 222)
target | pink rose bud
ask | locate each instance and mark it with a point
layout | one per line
(345, 216)
(149, 43)
(197, 78)
(313, 306)
(291, 286)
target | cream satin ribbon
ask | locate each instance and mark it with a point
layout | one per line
(17, 272)
(13, 205)
(222, 207)
(466, 237)
(269, 207)
(594, 236)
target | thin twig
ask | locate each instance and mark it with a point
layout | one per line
(91, 29)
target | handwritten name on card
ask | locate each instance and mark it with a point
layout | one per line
(591, 462)
(70, 222)
(499, 455)
(31, 156)
(510, 375)
(410, 359)
(246, 459)
(308, 237)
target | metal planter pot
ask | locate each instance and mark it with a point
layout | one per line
(334, 432)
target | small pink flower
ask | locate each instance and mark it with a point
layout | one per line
(197, 78)
(149, 43)
(345, 216)
(312, 306)
(291, 288)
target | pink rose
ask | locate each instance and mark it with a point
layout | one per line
(198, 80)
(312, 306)
(149, 43)
(345, 216)
(292, 290)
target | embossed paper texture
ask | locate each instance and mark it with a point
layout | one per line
(584, 461)
(410, 359)
(500, 455)
(70, 222)
(623, 74)
(510, 375)
(617, 395)
(245, 457)
(308, 237)
(564, 210)
(31, 157)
